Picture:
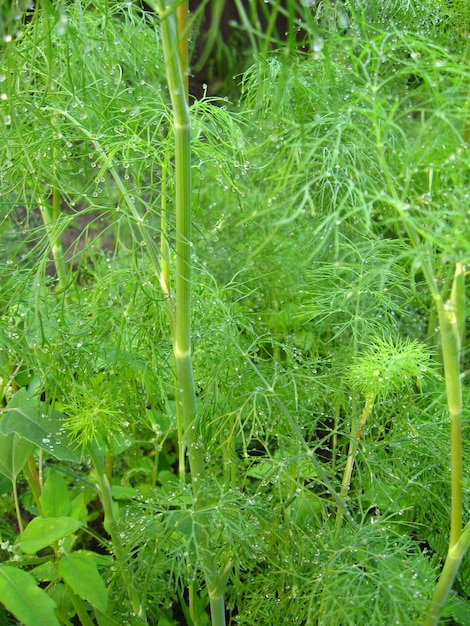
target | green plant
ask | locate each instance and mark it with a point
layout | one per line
(385, 367)
(218, 320)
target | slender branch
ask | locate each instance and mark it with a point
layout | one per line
(50, 215)
(110, 524)
(353, 448)
(17, 504)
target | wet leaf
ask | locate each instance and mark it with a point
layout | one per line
(21, 596)
(42, 532)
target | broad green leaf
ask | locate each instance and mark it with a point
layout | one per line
(80, 572)
(14, 454)
(22, 398)
(31, 420)
(21, 596)
(44, 531)
(55, 497)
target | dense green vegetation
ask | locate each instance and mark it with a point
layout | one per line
(233, 350)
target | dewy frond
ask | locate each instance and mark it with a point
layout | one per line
(389, 365)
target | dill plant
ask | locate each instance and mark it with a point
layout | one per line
(385, 367)
(327, 213)
(341, 188)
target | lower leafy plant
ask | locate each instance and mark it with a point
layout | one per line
(72, 574)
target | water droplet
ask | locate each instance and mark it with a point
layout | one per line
(61, 27)
(318, 44)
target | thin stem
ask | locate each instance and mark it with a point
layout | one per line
(50, 215)
(17, 505)
(150, 245)
(192, 603)
(450, 355)
(110, 524)
(247, 26)
(451, 323)
(466, 132)
(217, 7)
(34, 483)
(353, 448)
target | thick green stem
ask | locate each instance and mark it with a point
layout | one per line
(217, 604)
(182, 14)
(451, 324)
(174, 59)
(450, 354)
(165, 284)
(182, 327)
(451, 566)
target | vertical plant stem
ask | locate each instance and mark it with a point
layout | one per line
(451, 315)
(451, 323)
(353, 448)
(34, 484)
(165, 285)
(451, 566)
(182, 329)
(466, 131)
(17, 505)
(450, 353)
(164, 247)
(182, 17)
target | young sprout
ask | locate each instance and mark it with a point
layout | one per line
(386, 366)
